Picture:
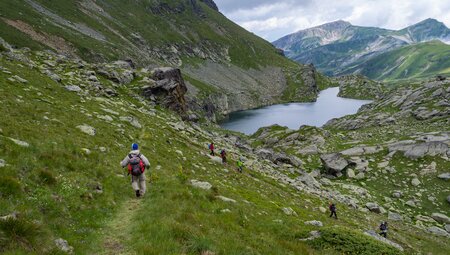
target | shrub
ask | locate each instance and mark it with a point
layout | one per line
(18, 233)
(47, 177)
(350, 242)
(9, 186)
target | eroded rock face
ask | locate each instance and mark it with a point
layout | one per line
(168, 89)
(211, 4)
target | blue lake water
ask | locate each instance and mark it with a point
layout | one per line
(294, 115)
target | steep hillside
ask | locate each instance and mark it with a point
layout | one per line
(338, 48)
(67, 124)
(410, 62)
(227, 65)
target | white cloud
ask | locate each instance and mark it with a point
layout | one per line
(274, 19)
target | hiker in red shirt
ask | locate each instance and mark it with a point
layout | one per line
(211, 148)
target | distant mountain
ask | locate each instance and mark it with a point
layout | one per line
(336, 48)
(413, 61)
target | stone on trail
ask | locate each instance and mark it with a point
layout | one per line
(216, 159)
(226, 199)
(375, 235)
(63, 245)
(289, 211)
(87, 129)
(201, 185)
(441, 218)
(20, 143)
(314, 223)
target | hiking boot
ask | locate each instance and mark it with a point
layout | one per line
(138, 194)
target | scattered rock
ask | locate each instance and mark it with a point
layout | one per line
(313, 235)
(19, 79)
(437, 231)
(444, 176)
(73, 88)
(226, 199)
(63, 245)
(2, 163)
(382, 239)
(314, 223)
(87, 129)
(9, 216)
(86, 151)
(322, 209)
(397, 194)
(373, 207)
(201, 185)
(410, 203)
(394, 216)
(289, 211)
(20, 143)
(334, 163)
(441, 218)
(415, 182)
(132, 120)
(350, 173)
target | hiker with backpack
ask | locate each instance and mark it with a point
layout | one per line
(384, 229)
(136, 163)
(211, 148)
(240, 165)
(333, 211)
(223, 155)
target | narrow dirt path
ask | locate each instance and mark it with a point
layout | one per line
(118, 230)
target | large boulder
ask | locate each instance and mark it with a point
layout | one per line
(374, 207)
(334, 163)
(441, 218)
(444, 176)
(168, 89)
(437, 231)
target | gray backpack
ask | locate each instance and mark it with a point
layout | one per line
(135, 166)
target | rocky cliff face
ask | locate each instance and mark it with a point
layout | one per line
(229, 63)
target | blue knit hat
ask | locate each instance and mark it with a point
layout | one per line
(134, 146)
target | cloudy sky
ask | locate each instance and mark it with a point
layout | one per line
(273, 19)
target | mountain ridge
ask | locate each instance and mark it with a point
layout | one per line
(337, 46)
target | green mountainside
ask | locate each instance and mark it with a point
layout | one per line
(62, 190)
(416, 61)
(226, 64)
(339, 48)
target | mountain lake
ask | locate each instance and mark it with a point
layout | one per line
(294, 115)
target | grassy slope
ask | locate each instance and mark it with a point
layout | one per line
(51, 184)
(418, 61)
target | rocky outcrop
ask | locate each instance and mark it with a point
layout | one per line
(334, 163)
(211, 4)
(382, 239)
(168, 89)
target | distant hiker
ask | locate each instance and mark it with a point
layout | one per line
(211, 148)
(137, 163)
(223, 155)
(240, 165)
(333, 211)
(384, 229)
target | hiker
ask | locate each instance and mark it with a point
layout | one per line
(223, 155)
(211, 148)
(333, 211)
(240, 165)
(137, 163)
(384, 229)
